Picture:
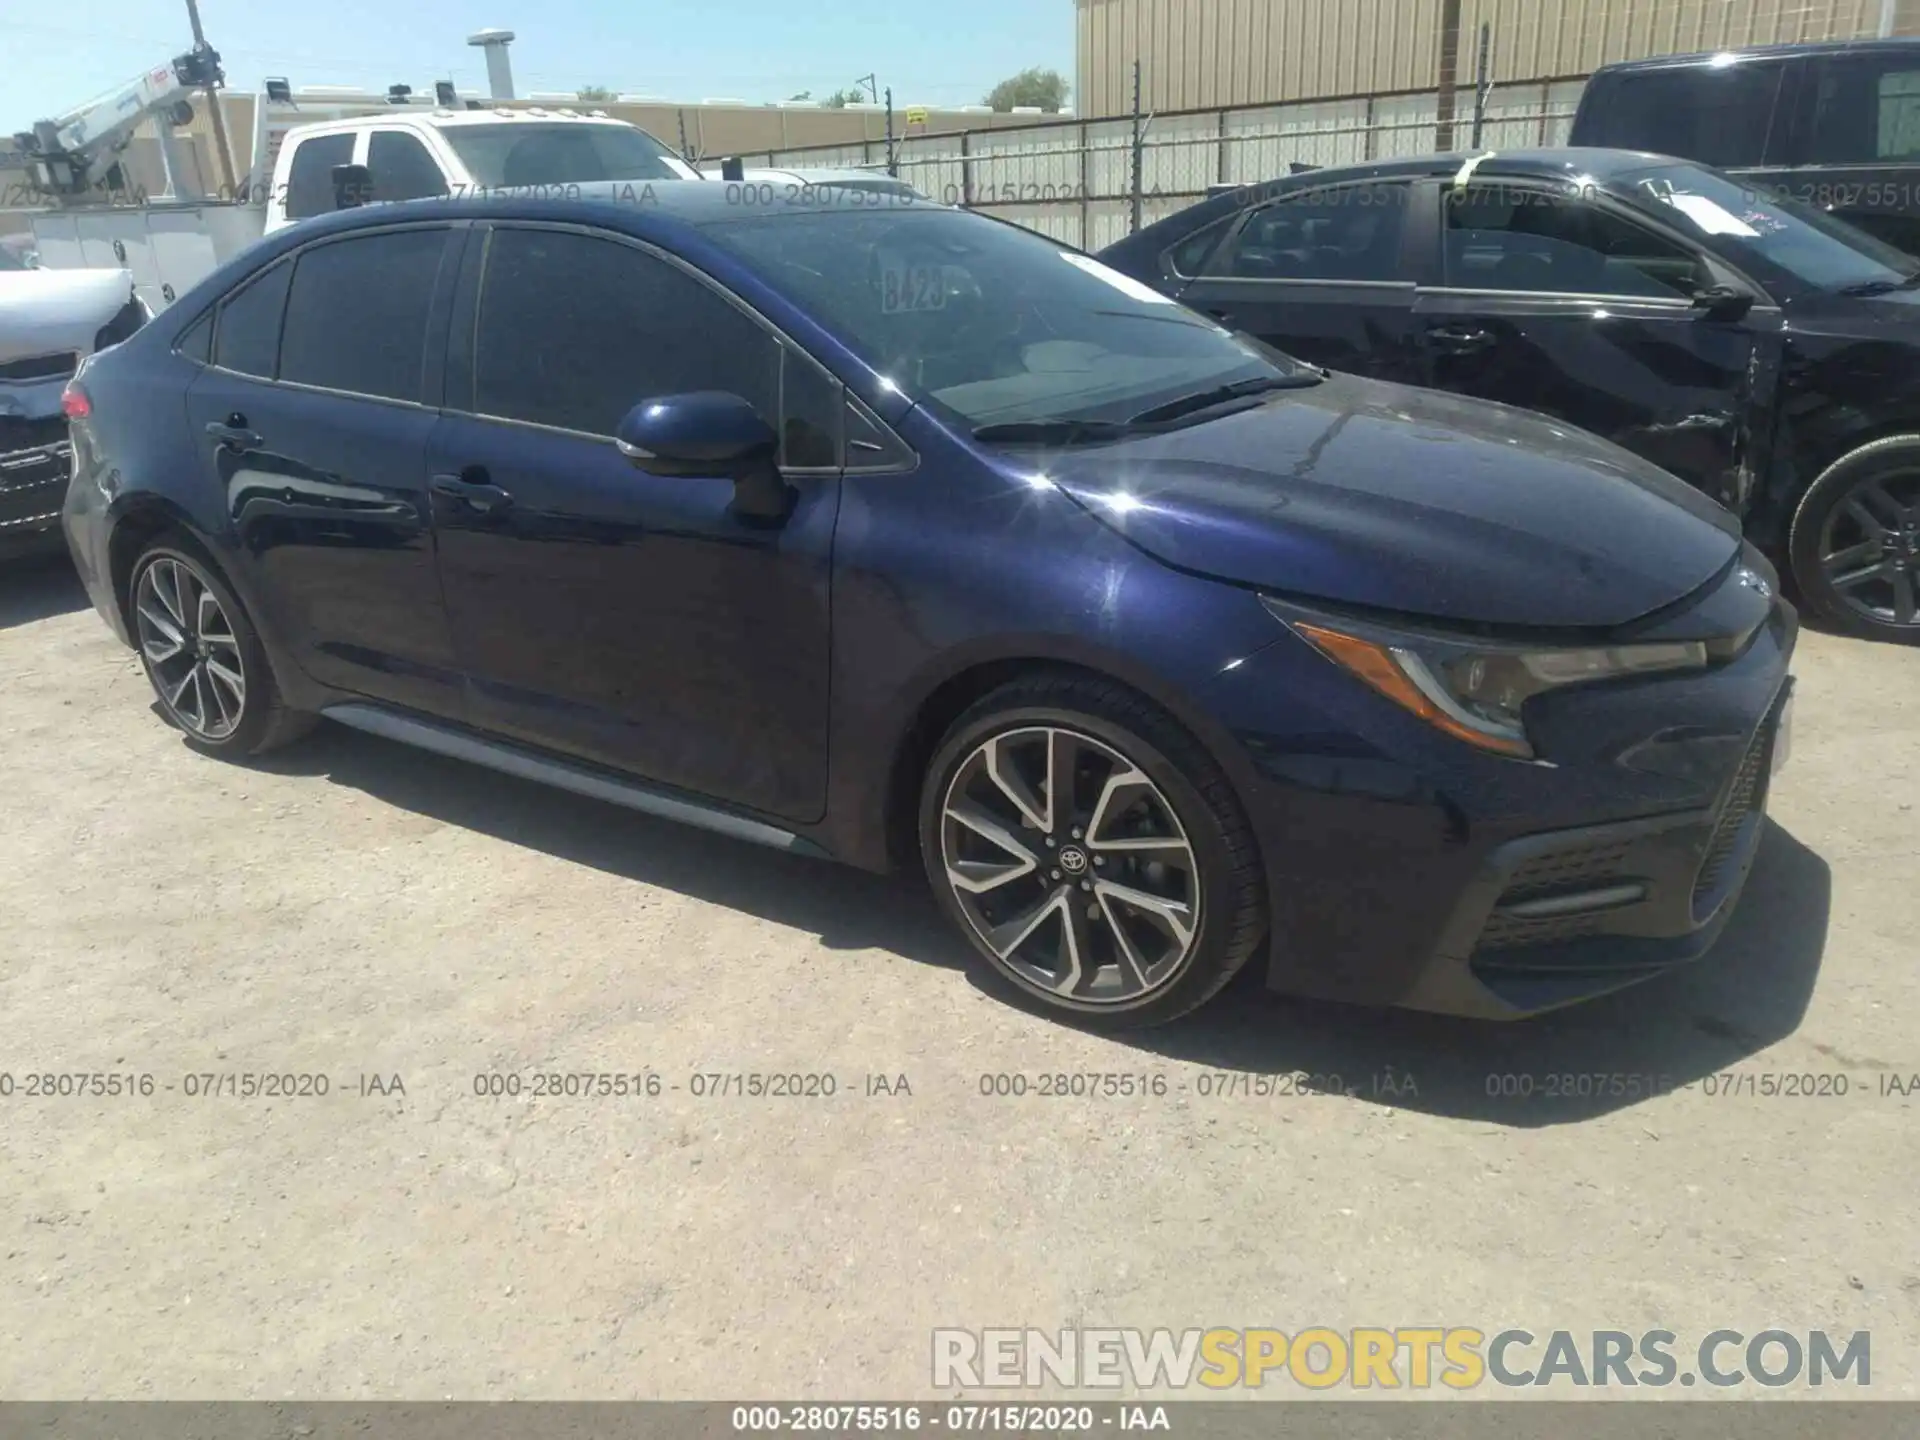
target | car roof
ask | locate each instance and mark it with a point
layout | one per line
(1704, 59)
(635, 206)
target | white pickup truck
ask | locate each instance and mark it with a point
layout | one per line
(406, 153)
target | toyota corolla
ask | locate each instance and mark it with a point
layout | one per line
(884, 532)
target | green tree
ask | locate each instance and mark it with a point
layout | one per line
(596, 93)
(1047, 89)
(840, 99)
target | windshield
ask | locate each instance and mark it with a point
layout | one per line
(993, 324)
(515, 154)
(1775, 239)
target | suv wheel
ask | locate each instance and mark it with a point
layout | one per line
(1092, 852)
(203, 656)
(1855, 544)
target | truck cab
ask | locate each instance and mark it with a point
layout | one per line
(1836, 126)
(414, 156)
(418, 155)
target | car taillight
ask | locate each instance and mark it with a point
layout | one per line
(74, 403)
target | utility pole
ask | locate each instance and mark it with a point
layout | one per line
(210, 63)
(1449, 73)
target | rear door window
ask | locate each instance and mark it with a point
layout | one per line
(1349, 233)
(1864, 107)
(1724, 117)
(310, 177)
(402, 168)
(357, 314)
(246, 335)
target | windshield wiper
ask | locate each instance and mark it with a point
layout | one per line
(1222, 395)
(1065, 431)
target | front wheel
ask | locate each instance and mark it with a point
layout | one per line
(203, 657)
(1855, 544)
(1092, 852)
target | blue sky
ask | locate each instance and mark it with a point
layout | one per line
(59, 55)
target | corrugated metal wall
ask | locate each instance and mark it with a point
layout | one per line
(1197, 54)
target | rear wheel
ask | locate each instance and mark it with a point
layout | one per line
(1092, 852)
(1855, 544)
(203, 657)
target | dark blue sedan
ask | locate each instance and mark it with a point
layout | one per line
(882, 531)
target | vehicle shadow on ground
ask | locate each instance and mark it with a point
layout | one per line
(38, 587)
(1751, 991)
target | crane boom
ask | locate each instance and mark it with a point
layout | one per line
(62, 154)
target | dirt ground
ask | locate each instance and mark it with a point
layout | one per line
(354, 909)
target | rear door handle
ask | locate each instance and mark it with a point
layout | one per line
(472, 488)
(235, 436)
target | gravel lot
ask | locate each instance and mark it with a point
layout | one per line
(356, 909)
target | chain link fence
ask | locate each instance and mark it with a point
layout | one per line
(1078, 181)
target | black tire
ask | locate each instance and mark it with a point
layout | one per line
(1826, 524)
(264, 721)
(1225, 874)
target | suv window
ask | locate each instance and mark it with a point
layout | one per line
(310, 178)
(402, 168)
(1865, 107)
(1349, 233)
(1504, 237)
(575, 330)
(1719, 116)
(247, 330)
(357, 315)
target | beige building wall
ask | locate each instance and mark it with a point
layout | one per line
(1200, 54)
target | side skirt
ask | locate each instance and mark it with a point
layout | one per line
(511, 759)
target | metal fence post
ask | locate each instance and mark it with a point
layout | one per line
(1483, 83)
(966, 169)
(1139, 153)
(1086, 182)
(1373, 132)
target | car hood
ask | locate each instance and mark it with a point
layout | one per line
(45, 312)
(1381, 496)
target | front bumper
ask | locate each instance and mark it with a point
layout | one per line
(1404, 868)
(1563, 917)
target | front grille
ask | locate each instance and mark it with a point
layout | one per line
(1565, 872)
(1748, 792)
(41, 367)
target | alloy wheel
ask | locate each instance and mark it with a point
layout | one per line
(1071, 866)
(1870, 548)
(191, 649)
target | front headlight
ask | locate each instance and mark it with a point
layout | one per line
(1476, 690)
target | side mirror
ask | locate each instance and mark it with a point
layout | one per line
(709, 434)
(1723, 302)
(352, 186)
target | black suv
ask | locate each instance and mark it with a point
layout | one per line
(1763, 351)
(1837, 125)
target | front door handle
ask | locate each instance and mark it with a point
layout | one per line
(232, 434)
(472, 488)
(1461, 339)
